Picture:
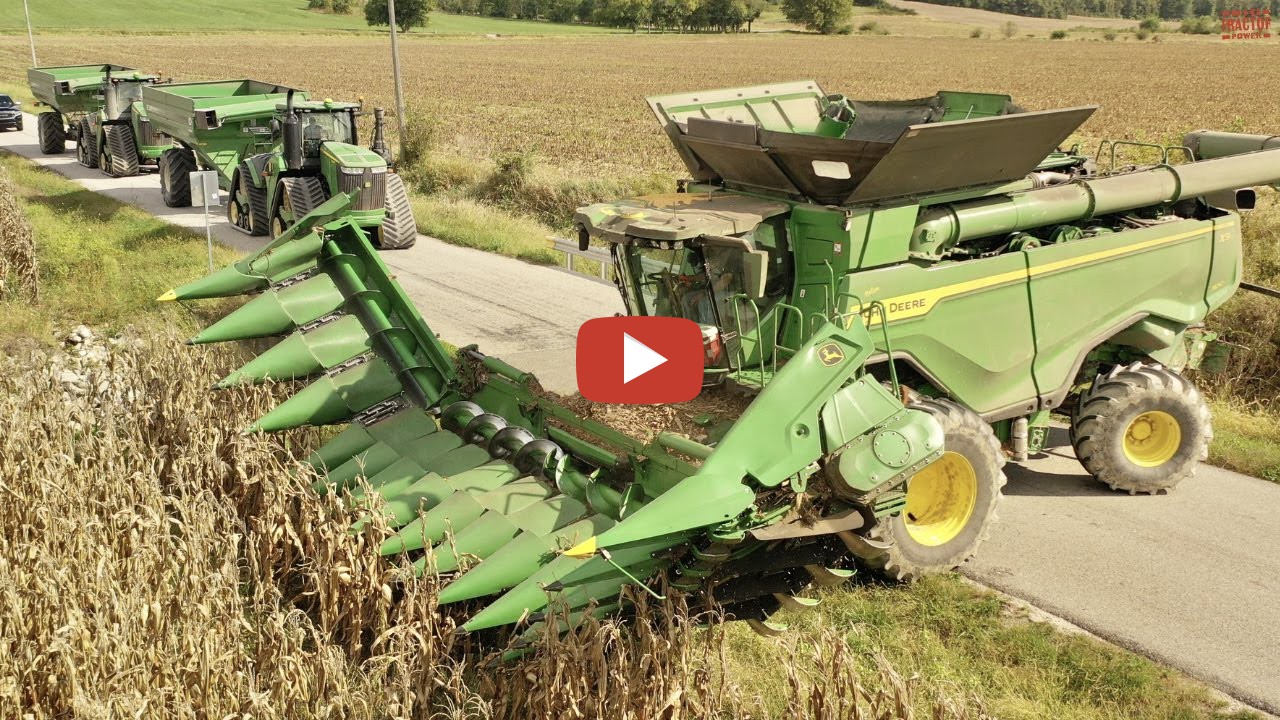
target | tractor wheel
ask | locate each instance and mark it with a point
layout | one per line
(122, 151)
(176, 166)
(1141, 428)
(86, 146)
(399, 230)
(52, 132)
(951, 504)
(298, 196)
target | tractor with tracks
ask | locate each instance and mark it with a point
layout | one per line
(99, 108)
(278, 155)
(899, 328)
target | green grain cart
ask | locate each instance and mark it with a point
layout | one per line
(99, 107)
(904, 290)
(278, 154)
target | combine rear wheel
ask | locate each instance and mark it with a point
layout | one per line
(1141, 428)
(176, 166)
(951, 504)
(122, 152)
(298, 196)
(399, 230)
(52, 132)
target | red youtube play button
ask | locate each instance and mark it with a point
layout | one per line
(639, 360)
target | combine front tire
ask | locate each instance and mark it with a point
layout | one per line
(86, 145)
(951, 504)
(176, 164)
(1141, 428)
(122, 152)
(399, 229)
(52, 132)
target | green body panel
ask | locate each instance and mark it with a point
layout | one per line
(75, 89)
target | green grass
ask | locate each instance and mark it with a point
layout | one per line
(167, 16)
(970, 643)
(1245, 440)
(476, 225)
(101, 262)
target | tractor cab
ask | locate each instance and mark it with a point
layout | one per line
(122, 94)
(319, 123)
(717, 259)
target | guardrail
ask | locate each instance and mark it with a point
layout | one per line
(571, 251)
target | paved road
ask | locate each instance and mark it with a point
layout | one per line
(526, 314)
(1191, 579)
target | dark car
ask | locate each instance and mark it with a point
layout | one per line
(10, 114)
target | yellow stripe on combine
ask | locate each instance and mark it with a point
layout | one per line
(917, 304)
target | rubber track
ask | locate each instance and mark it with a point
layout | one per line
(123, 151)
(399, 229)
(304, 195)
(259, 215)
(87, 145)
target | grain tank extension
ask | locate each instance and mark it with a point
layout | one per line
(278, 155)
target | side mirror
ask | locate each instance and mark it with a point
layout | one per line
(755, 271)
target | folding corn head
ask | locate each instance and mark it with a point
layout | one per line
(543, 505)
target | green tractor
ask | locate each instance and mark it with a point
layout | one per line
(99, 108)
(279, 155)
(901, 327)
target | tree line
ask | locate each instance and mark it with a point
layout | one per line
(664, 15)
(1136, 9)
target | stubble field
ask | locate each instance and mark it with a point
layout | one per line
(577, 103)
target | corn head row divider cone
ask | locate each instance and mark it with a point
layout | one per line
(522, 502)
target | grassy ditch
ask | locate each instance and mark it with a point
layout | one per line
(100, 262)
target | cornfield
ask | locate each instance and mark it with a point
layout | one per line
(157, 563)
(578, 102)
(19, 278)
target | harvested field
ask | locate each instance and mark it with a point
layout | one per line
(577, 103)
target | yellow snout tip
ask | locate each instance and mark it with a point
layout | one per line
(167, 297)
(583, 550)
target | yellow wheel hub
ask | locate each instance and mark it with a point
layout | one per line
(940, 500)
(1152, 439)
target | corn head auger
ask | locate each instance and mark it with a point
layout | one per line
(543, 505)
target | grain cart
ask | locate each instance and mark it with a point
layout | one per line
(1000, 274)
(278, 155)
(99, 107)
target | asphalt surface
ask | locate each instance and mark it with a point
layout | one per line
(1191, 579)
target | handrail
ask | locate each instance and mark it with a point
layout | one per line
(571, 251)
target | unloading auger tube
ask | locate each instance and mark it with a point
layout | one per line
(542, 505)
(944, 226)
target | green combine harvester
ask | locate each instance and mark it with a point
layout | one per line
(279, 155)
(903, 326)
(99, 108)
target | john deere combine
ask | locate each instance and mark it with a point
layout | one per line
(898, 320)
(278, 154)
(99, 107)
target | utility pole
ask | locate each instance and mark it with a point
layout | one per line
(31, 38)
(395, 72)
